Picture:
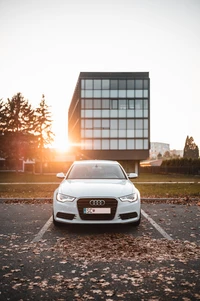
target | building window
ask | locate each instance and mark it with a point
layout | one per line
(114, 114)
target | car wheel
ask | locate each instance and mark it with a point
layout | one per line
(57, 224)
(136, 224)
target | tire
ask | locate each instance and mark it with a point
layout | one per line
(56, 224)
(136, 224)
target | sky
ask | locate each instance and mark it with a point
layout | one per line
(45, 44)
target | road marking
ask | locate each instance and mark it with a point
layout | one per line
(43, 230)
(156, 226)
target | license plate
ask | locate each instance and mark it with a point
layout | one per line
(96, 210)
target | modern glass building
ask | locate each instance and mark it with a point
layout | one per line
(109, 117)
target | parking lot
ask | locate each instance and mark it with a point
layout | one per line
(159, 260)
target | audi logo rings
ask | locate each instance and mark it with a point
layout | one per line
(97, 202)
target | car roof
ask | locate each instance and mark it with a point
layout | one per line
(95, 162)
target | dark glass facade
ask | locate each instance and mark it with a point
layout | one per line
(109, 115)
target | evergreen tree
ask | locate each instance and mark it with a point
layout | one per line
(191, 150)
(43, 123)
(17, 124)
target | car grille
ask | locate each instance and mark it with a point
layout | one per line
(85, 203)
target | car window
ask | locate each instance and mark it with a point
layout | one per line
(96, 171)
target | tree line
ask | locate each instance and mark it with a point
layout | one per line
(24, 131)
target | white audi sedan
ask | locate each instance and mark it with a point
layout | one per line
(96, 192)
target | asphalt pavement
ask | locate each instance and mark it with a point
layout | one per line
(159, 260)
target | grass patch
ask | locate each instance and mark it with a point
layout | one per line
(146, 190)
(169, 190)
(12, 177)
(27, 191)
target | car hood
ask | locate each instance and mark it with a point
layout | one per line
(97, 188)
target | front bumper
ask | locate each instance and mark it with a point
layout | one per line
(74, 212)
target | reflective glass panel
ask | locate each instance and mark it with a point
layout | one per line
(122, 104)
(105, 113)
(88, 144)
(113, 133)
(82, 84)
(97, 133)
(82, 93)
(122, 93)
(88, 84)
(138, 84)
(139, 133)
(114, 104)
(113, 144)
(122, 124)
(146, 113)
(130, 93)
(130, 113)
(105, 84)
(82, 113)
(113, 113)
(139, 124)
(130, 133)
(105, 144)
(88, 93)
(122, 113)
(105, 123)
(138, 113)
(96, 144)
(113, 124)
(97, 123)
(130, 124)
(97, 103)
(105, 133)
(145, 93)
(88, 103)
(122, 144)
(146, 84)
(113, 84)
(145, 101)
(88, 113)
(139, 103)
(145, 124)
(88, 123)
(131, 104)
(97, 93)
(97, 113)
(146, 144)
(105, 103)
(105, 93)
(130, 144)
(122, 133)
(139, 144)
(122, 84)
(88, 133)
(97, 84)
(114, 93)
(130, 84)
(138, 93)
(82, 103)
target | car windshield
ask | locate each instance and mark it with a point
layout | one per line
(96, 171)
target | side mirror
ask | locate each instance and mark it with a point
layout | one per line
(60, 175)
(132, 175)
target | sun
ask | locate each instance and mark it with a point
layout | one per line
(61, 144)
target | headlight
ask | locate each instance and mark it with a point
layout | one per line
(63, 198)
(129, 198)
